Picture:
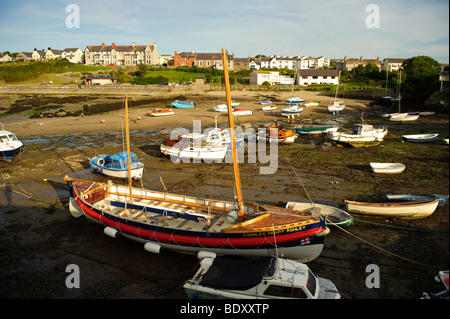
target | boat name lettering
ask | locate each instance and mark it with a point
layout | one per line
(277, 232)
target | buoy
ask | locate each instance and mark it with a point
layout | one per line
(165, 152)
(44, 179)
(103, 121)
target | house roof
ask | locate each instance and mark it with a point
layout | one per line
(100, 76)
(212, 56)
(317, 72)
(120, 48)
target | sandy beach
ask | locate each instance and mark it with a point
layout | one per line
(204, 102)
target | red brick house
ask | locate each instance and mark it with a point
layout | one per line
(184, 59)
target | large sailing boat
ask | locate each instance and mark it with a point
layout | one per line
(161, 220)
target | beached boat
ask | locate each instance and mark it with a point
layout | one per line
(269, 107)
(403, 117)
(417, 197)
(362, 135)
(336, 107)
(10, 146)
(294, 100)
(262, 278)
(191, 224)
(234, 103)
(266, 102)
(161, 112)
(311, 103)
(333, 215)
(182, 105)
(117, 165)
(406, 210)
(242, 112)
(221, 108)
(276, 133)
(420, 138)
(387, 168)
(315, 130)
(292, 111)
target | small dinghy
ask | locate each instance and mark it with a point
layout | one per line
(420, 138)
(333, 215)
(417, 197)
(182, 105)
(387, 168)
(161, 112)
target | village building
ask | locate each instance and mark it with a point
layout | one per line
(121, 54)
(53, 54)
(5, 58)
(317, 76)
(74, 55)
(38, 55)
(24, 56)
(207, 60)
(291, 62)
(184, 59)
(350, 64)
(392, 64)
(101, 79)
(272, 77)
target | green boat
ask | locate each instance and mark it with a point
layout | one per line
(312, 130)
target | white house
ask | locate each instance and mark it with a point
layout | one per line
(74, 55)
(53, 54)
(292, 62)
(391, 64)
(5, 58)
(317, 76)
(273, 77)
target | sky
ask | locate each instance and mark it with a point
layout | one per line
(334, 29)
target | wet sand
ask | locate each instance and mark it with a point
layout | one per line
(39, 237)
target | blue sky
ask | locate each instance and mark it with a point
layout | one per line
(333, 29)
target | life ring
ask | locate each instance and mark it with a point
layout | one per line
(101, 161)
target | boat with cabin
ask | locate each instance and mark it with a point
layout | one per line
(117, 165)
(362, 135)
(10, 145)
(276, 133)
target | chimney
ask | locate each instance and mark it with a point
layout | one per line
(113, 44)
(103, 45)
(133, 44)
(361, 58)
(49, 48)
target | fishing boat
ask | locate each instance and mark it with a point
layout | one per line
(182, 105)
(311, 103)
(211, 146)
(262, 278)
(292, 111)
(222, 108)
(362, 135)
(336, 107)
(333, 215)
(269, 107)
(161, 112)
(117, 165)
(162, 220)
(10, 146)
(242, 112)
(420, 138)
(315, 130)
(294, 100)
(405, 210)
(387, 168)
(417, 197)
(276, 133)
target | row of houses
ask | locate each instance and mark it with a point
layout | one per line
(302, 77)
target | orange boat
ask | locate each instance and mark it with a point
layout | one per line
(161, 112)
(277, 133)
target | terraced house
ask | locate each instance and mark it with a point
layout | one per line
(202, 60)
(121, 54)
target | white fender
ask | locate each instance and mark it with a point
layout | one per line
(205, 254)
(152, 248)
(111, 232)
(324, 232)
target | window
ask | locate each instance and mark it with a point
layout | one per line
(283, 291)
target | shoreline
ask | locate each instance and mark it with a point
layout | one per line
(205, 102)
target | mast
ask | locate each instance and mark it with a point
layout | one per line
(128, 144)
(237, 178)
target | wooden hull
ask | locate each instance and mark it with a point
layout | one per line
(403, 117)
(406, 210)
(387, 168)
(189, 225)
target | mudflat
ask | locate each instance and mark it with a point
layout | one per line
(39, 237)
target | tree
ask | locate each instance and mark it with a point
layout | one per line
(421, 76)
